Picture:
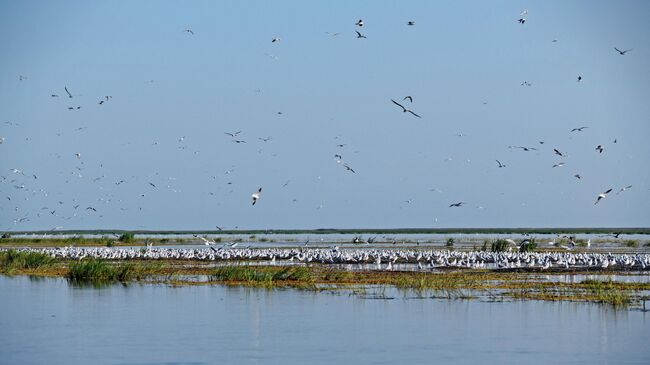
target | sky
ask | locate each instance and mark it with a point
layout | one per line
(480, 81)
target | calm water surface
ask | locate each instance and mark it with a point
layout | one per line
(48, 321)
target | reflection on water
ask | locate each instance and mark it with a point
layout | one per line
(50, 321)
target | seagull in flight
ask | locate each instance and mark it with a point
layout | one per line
(359, 35)
(238, 141)
(578, 129)
(577, 176)
(256, 195)
(600, 148)
(459, 204)
(602, 195)
(557, 152)
(409, 98)
(359, 23)
(410, 23)
(232, 134)
(91, 208)
(66, 90)
(622, 53)
(277, 39)
(152, 184)
(524, 148)
(404, 109)
(205, 241)
(560, 164)
(500, 164)
(348, 168)
(189, 31)
(623, 189)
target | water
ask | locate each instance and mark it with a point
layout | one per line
(50, 321)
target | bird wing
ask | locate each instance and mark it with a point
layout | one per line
(66, 90)
(398, 104)
(618, 50)
(410, 111)
(608, 191)
(358, 34)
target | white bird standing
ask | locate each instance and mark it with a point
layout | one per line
(256, 195)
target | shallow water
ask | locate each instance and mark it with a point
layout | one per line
(49, 321)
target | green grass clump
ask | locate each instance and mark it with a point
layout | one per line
(528, 246)
(499, 245)
(632, 243)
(263, 275)
(12, 259)
(127, 237)
(606, 292)
(450, 242)
(101, 271)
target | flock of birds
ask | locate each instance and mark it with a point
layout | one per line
(383, 259)
(19, 180)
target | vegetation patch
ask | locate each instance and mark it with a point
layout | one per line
(15, 260)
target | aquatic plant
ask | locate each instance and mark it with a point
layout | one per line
(262, 275)
(528, 246)
(13, 259)
(499, 245)
(632, 243)
(127, 237)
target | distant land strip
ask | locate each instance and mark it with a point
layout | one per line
(559, 230)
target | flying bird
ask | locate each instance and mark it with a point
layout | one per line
(359, 35)
(359, 23)
(521, 20)
(577, 176)
(410, 22)
(557, 152)
(500, 164)
(578, 129)
(602, 195)
(275, 40)
(409, 98)
(600, 148)
(623, 189)
(66, 90)
(560, 164)
(459, 204)
(232, 134)
(524, 148)
(579, 78)
(189, 31)
(404, 109)
(256, 195)
(152, 184)
(622, 53)
(348, 168)
(91, 208)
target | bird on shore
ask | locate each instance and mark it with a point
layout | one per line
(359, 35)
(602, 195)
(404, 109)
(622, 53)
(459, 204)
(256, 195)
(578, 129)
(500, 164)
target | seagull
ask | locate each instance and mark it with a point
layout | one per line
(332, 34)
(579, 78)
(78, 155)
(66, 90)
(577, 176)
(256, 195)
(275, 40)
(91, 208)
(524, 148)
(623, 189)
(622, 53)
(265, 139)
(500, 164)
(205, 241)
(459, 204)
(404, 109)
(359, 23)
(189, 31)
(600, 148)
(238, 141)
(560, 164)
(526, 83)
(557, 152)
(521, 20)
(409, 98)
(152, 185)
(602, 195)
(232, 134)
(578, 129)
(359, 35)
(348, 168)
(410, 22)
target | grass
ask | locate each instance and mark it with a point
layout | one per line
(631, 243)
(262, 275)
(13, 260)
(127, 237)
(93, 270)
(499, 246)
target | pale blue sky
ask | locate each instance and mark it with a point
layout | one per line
(463, 63)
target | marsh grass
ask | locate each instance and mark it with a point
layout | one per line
(12, 259)
(499, 246)
(264, 276)
(631, 243)
(102, 271)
